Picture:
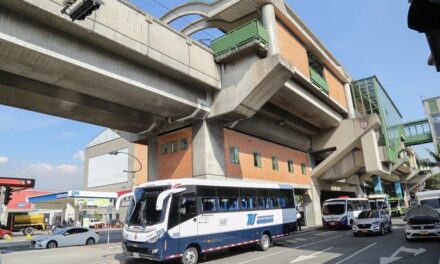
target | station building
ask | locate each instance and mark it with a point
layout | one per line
(287, 112)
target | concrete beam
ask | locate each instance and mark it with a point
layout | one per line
(39, 52)
(40, 97)
(307, 106)
(248, 85)
(346, 167)
(123, 29)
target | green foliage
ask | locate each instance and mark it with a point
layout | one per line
(433, 183)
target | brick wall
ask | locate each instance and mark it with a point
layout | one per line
(336, 88)
(293, 50)
(175, 164)
(246, 170)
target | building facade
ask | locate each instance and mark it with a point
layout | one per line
(112, 164)
(285, 111)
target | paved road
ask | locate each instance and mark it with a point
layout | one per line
(5, 248)
(329, 247)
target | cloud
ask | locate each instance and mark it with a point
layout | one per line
(3, 159)
(48, 176)
(79, 155)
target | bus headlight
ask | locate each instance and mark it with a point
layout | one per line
(156, 237)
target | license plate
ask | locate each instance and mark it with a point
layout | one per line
(364, 231)
(136, 255)
(423, 232)
(332, 223)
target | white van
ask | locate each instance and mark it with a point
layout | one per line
(429, 198)
(380, 202)
(340, 212)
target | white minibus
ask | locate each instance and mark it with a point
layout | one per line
(189, 217)
(340, 212)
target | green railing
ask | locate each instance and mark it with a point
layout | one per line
(319, 81)
(252, 31)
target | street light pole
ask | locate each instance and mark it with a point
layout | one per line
(116, 152)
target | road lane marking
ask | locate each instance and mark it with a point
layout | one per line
(302, 257)
(357, 252)
(287, 250)
(394, 257)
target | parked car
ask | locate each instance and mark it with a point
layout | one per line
(95, 223)
(5, 233)
(372, 222)
(422, 221)
(69, 236)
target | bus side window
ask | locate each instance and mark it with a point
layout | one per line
(188, 207)
(208, 204)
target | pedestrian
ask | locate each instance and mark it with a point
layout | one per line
(298, 219)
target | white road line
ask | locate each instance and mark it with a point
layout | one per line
(357, 252)
(287, 250)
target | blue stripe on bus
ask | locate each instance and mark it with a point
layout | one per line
(213, 242)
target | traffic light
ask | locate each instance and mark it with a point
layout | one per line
(81, 10)
(8, 195)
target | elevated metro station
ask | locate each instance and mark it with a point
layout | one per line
(267, 101)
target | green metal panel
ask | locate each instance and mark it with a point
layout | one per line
(252, 31)
(370, 97)
(319, 81)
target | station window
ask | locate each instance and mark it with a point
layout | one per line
(290, 166)
(183, 144)
(164, 149)
(303, 169)
(257, 159)
(274, 163)
(173, 146)
(433, 107)
(234, 153)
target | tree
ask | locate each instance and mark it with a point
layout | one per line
(431, 163)
(432, 183)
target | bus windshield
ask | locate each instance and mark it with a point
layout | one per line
(334, 208)
(376, 204)
(142, 209)
(394, 204)
(435, 202)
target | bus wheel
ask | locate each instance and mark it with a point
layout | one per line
(190, 256)
(264, 242)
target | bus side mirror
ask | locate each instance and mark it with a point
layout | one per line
(120, 198)
(404, 219)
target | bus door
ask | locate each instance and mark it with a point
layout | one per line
(182, 222)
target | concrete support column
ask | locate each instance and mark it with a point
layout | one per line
(398, 189)
(153, 159)
(269, 21)
(349, 99)
(406, 195)
(312, 205)
(208, 151)
(377, 184)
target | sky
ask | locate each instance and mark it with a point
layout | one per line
(368, 37)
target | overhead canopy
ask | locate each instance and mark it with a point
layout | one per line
(70, 196)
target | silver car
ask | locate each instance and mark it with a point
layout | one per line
(372, 222)
(69, 236)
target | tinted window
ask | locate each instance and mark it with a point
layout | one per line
(286, 196)
(369, 214)
(435, 203)
(188, 207)
(208, 204)
(174, 212)
(334, 208)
